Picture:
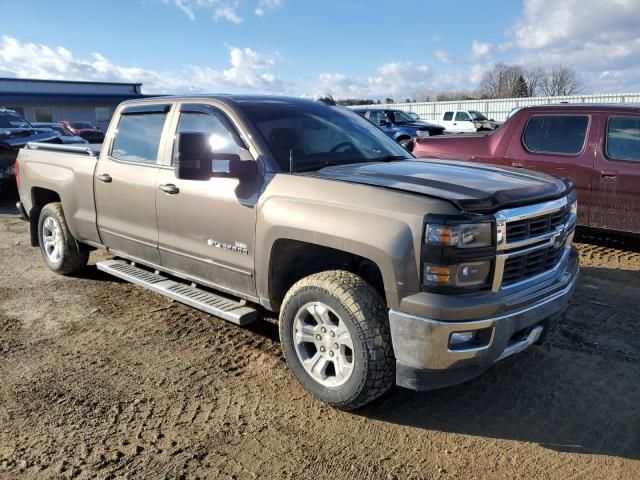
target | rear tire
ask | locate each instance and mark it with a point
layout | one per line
(334, 331)
(60, 250)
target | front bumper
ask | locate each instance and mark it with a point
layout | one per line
(426, 358)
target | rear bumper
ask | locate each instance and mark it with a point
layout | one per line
(426, 357)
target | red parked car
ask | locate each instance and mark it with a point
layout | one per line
(86, 130)
(596, 146)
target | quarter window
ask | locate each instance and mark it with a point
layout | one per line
(623, 138)
(138, 137)
(559, 134)
(448, 116)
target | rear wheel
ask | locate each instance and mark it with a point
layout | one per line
(335, 336)
(60, 250)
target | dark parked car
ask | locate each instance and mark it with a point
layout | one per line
(401, 125)
(15, 132)
(596, 146)
(66, 135)
(86, 130)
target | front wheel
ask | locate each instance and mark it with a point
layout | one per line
(334, 331)
(59, 248)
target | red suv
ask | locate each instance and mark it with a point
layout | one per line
(596, 146)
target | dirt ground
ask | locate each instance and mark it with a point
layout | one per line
(101, 379)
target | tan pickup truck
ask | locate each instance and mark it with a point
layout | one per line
(384, 268)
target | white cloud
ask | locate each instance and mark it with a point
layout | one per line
(443, 56)
(264, 5)
(219, 9)
(601, 40)
(480, 49)
(249, 70)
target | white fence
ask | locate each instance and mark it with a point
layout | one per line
(499, 108)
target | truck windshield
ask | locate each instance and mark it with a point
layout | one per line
(309, 135)
(11, 120)
(477, 116)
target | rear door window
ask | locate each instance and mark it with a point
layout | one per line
(557, 134)
(138, 137)
(623, 138)
(448, 116)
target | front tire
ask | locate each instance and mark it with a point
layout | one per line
(60, 250)
(334, 331)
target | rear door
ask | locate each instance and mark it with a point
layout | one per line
(207, 227)
(125, 182)
(562, 145)
(616, 196)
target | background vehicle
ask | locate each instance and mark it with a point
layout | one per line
(400, 125)
(86, 130)
(596, 146)
(466, 121)
(15, 132)
(66, 136)
(383, 268)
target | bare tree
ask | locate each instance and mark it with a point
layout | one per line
(560, 80)
(501, 81)
(534, 77)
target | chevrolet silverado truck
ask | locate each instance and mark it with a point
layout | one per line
(383, 268)
(596, 146)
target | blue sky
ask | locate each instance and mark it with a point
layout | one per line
(350, 48)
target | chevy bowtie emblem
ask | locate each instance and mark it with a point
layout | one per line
(558, 239)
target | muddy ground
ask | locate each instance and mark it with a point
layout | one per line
(101, 379)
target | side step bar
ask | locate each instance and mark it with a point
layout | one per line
(233, 311)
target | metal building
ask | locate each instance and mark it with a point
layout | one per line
(56, 100)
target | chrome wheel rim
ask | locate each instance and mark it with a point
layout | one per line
(323, 344)
(52, 239)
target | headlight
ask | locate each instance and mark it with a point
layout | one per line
(469, 235)
(471, 274)
(422, 133)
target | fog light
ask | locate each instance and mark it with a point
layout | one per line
(459, 338)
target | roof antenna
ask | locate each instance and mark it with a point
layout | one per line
(326, 99)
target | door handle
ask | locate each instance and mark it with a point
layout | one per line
(455, 123)
(105, 178)
(169, 189)
(517, 164)
(608, 174)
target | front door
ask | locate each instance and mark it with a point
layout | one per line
(207, 228)
(462, 122)
(125, 183)
(561, 145)
(616, 198)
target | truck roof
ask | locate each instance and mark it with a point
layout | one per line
(224, 97)
(580, 107)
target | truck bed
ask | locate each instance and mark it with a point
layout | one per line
(67, 170)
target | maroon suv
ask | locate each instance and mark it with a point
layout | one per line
(86, 130)
(596, 146)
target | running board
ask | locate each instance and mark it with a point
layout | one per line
(233, 311)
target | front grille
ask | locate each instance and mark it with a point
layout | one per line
(532, 227)
(520, 267)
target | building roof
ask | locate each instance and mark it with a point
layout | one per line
(81, 82)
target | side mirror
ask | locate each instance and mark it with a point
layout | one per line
(192, 160)
(195, 160)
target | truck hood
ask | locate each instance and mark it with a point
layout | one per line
(473, 188)
(18, 137)
(420, 124)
